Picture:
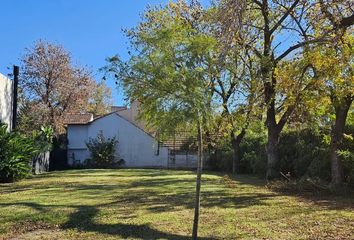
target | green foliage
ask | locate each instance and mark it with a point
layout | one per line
(304, 152)
(103, 152)
(225, 65)
(220, 160)
(169, 74)
(16, 153)
(253, 155)
(43, 138)
(347, 155)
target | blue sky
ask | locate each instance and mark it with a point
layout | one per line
(89, 29)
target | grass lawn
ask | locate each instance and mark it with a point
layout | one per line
(158, 204)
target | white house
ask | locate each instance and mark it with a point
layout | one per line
(6, 98)
(135, 146)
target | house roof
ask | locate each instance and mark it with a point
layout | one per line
(77, 118)
(177, 143)
(118, 108)
(102, 116)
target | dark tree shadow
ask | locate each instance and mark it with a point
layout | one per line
(82, 220)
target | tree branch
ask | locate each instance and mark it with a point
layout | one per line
(299, 45)
(257, 2)
(347, 22)
(282, 19)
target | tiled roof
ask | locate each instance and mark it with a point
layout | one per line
(78, 118)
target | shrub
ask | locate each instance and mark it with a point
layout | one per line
(304, 153)
(43, 139)
(347, 155)
(102, 152)
(253, 158)
(16, 153)
(253, 155)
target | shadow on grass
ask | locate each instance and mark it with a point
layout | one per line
(82, 220)
(324, 200)
(153, 192)
(321, 195)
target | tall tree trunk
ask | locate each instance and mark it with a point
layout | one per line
(198, 184)
(236, 141)
(273, 133)
(272, 154)
(269, 79)
(341, 112)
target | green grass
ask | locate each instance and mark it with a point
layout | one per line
(158, 204)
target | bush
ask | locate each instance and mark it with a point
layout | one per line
(16, 153)
(43, 139)
(102, 152)
(347, 155)
(304, 153)
(253, 155)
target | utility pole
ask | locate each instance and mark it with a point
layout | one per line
(14, 100)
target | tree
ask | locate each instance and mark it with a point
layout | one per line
(333, 65)
(100, 99)
(334, 68)
(51, 86)
(237, 90)
(277, 31)
(168, 76)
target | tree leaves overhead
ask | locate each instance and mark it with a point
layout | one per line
(167, 75)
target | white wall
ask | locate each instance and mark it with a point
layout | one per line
(136, 147)
(131, 114)
(6, 95)
(77, 150)
(185, 161)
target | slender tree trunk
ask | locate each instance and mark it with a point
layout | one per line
(199, 177)
(236, 141)
(341, 110)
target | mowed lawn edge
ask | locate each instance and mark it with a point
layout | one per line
(158, 204)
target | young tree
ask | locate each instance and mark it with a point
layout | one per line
(277, 31)
(168, 76)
